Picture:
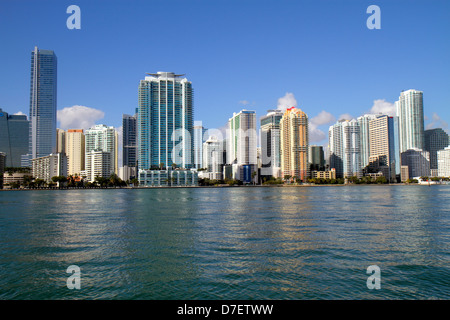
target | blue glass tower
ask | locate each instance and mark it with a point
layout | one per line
(42, 103)
(165, 121)
(14, 134)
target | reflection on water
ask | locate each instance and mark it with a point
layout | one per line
(226, 243)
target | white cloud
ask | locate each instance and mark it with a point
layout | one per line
(78, 117)
(287, 101)
(244, 102)
(436, 122)
(323, 118)
(345, 116)
(382, 106)
(20, 113)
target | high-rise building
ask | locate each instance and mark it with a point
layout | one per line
(98, 164)
(75, 151)
(60, 141)
(410, 113)
(165, 121)
(213, 158)
(417, 161)
(294, 144)
(129, 140)
(199, 139)
(435, 140)
(316, 158)
(47, 167)
(241, 145)
(384, 153)
(42, 140)
(364, 137)
(103, 138)
(270, 144)
(443, 160)
(344, 148)
(2, 167)
(14, 135)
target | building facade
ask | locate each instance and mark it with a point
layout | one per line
(98, 164)
(417, 161)
(42, 116)
(410, 114)
(270, 144)
(165, 121)
(103, 138)
(443, 160)
(435, 140)
(199, 139)
(60, 141)
(168, 178)
(294, 144)
(316, 158)
(129, 140)
(50, 166)
(75, 151)
(365, 138)
(213, 158)
(14, 138)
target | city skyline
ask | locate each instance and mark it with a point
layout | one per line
(261, 77)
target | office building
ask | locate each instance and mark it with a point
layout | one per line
(42, 134)
(418, 163)
(270, 144)
(199, 139)
(364, 138)
(241, 145)
(75, 151)
(165, 121)
(435, 140)
(129, 140)
(294, 144)
(443, 160)
(316, 158)
(14, 138)
(384, 147)
(50, 166)
(410, 114)
(103, 138)
(98, 163)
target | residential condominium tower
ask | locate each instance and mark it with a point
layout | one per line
(103, 138)
(270, 144)
(42, 140)
(165, 121)
(199, 139)
(364, 138)
(294, 144)
(129, 140)
(410, 113)
(75, 151)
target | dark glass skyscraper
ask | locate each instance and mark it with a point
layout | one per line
(42, 103)
(435, 140)
(14, 134)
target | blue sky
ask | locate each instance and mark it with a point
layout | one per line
(238, 54)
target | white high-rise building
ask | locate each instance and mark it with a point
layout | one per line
(103, 138)
(443, 160)
(98, 164)
(213, 157)
(410, 114)
(365, 138)
(47, 167)
(270, 144)
(75, 150)
(199, 139)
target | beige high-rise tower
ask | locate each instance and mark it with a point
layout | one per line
(294, 144)
(75, 150)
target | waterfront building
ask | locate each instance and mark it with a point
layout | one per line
(60, 141)
(384, 147)
(47, 167)
(443, 159)
(98, 164)
(103, 138)
(199, 139)
(417, 161)
(316, 158)
(364, 138)
(213, 158)
(14, 137)
(75, 151)
(328, 174)
(410, 113)
(165, 121)
(435, 140)
(241, 145)
(129, 140)
(168, 178)
(294, 144)
(42, 116)
(270, 144)
(2, 167)
(344, 148)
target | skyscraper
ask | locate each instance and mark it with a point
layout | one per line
(14, 135)
(364, 137)
(199, 139)
(60, 141)
(129, 140)
(443, 159)
(75, 151)
(42, 104)
(294, 144)
(270, 144)
(103, 138)
(435, 140)
(316, 158)
(417, 161)
(165, 121)
(213, 157)
(410, 113)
